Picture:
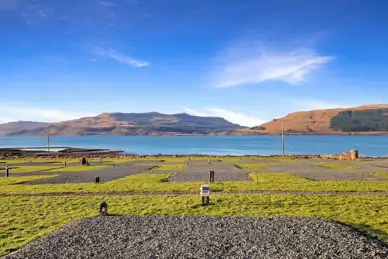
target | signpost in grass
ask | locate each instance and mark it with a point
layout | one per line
(205, 194)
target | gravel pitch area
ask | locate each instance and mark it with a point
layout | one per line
(203, 237)
(200, 173)
(107, 174)
(197, 170)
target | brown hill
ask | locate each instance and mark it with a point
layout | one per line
(134, 124)
(330, 121)
(10, 127)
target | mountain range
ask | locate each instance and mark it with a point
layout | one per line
(367, 119)
(152, 123)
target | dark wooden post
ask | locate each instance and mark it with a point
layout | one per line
(104, 209)
(6, 171)
(211, 176)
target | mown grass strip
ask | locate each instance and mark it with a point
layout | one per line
(338, 166)
(169, 167)
(79, 168)
(252, 167)
(157, 183)
(31, 169)
(21, 179)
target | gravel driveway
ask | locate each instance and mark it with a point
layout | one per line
(107, 174)
(203, 237)
(199, 172)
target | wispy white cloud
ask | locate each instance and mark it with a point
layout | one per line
(108, 3)
(255, 63)
(14, 112)
(119, 57)
(235, 117)
(313, 104)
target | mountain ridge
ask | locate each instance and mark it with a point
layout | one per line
(320, 122)
(367, 119)
(118, 123)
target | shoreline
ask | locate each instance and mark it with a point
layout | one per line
(216, 134)
(70, 152)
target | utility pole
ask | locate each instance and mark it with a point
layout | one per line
(282, 138)
(48, 143)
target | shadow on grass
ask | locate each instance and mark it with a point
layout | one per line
(369, 231)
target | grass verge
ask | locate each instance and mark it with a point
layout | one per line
(383, 175)
(21, 179)
(157, 183)
(339, 166)
(31, 169)
(79, 168)
(169, 167)
(252, 167)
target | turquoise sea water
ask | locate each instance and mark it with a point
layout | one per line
(217, 145)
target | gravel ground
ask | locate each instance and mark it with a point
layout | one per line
(203, 237)
(107, 174)
(199, 172)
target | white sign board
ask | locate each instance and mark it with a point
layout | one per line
(205, 190)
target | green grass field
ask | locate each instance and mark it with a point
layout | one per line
(252, 167)
(253, 158)
(79, 168)
(384, 175)
(21, 179)
(27, 160)
(169, 167)
(338, 166)
(26, 218)
(31, 169)
(157, 182)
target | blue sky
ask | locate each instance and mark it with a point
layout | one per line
(248, 61)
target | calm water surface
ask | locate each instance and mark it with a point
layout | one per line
(214, 145)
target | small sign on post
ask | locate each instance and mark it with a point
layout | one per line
(205, 194)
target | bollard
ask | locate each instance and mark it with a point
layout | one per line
(97, 179)
(65, 163)
(6, 171)
(104, 209)
(211, 176)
